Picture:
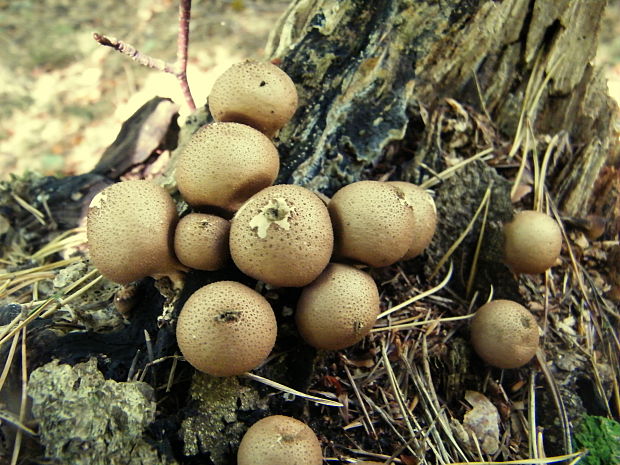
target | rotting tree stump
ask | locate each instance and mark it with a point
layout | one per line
(388, 89)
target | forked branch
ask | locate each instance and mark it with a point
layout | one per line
(178, 68)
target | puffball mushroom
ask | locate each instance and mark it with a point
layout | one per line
(532, 242)
(282, 236)
(338, 309)
(279, 440)
(424, 216)
(226, 329)
(504, 334)
(372, 223)
(201, 241)
(129, 227)
(258, 94)
(224, 164)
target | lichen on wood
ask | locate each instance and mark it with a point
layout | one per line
(86, 419)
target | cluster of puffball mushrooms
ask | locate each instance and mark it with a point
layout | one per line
(286, 236)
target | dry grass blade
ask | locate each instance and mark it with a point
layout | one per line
(396, 389)
(368, 426)
(9, 361)
(533, 92)
(25, 281)
(474, 266)
(532, 436)
(420, 296)
(16, 325)
(447, 173)
(557, 398)
(559, 458)
(10, 418)
(539, 184)
(83, 290)
(283, 388)
(67, 239)
(461, 238)
(401, 325)
(23, 402)
(429, 406)
(47, 267)
(522, 165)
(39, 216)
(41, 307)
(390, 422)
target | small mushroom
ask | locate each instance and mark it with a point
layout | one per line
(282, 236)
(372, 223)
(338, 309)
(258, 94)
(504, 334)
(279, 440)
(224, 164)
(129, 227)
(532, 242)
(226, 329)
(424, 216)
(201, 241)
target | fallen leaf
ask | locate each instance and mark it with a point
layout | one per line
(483, 421)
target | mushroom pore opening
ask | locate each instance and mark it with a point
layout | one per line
(277, 211)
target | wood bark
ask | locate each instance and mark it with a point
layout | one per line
(374, 75)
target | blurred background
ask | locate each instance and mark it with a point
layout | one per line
(63, 97)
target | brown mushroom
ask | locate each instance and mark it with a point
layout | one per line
(424, 216)
(279, 440)
(532, 242)
(282, 236)
(201, 241)
(224, 164)
(258, 94)
(372, 223)
(504, 334)
(338, 308)
(129, 228)
(226, 329)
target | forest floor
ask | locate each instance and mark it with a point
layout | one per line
(63, 97)
(63, 101)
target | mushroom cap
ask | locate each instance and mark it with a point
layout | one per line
(224, 164)
(424, 216)
(532, 242)
(255, 93)
(338, 309)
(279, 440)
(282, 236)
(129, 227)
(372, 223)
(201, 241)
(504, 334)
(226, 329)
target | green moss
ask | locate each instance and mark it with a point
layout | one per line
(601, 436)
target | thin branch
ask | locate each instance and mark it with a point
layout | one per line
(134, 54)
(185, 9)
(178, 68)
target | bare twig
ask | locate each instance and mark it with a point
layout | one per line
(185, 8)
(178, 68)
